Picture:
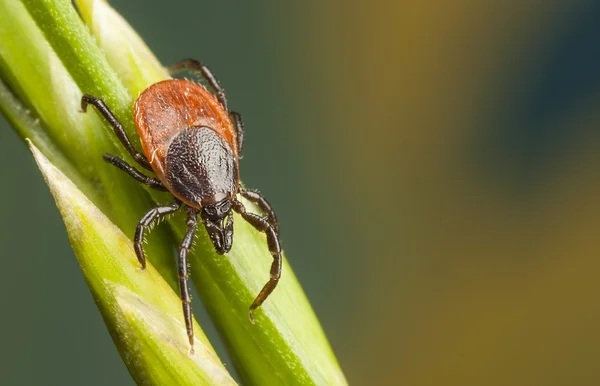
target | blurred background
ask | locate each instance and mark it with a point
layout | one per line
(435, 167)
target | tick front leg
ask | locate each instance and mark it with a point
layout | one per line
(257, 198)
(145, 222)
(262, 225)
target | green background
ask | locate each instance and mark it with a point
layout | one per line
(435, 167)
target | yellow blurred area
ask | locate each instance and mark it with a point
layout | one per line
(468, 270)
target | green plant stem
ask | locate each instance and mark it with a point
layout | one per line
(28, 126)
(68, 37)
(142, 310)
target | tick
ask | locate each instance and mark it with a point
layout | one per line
(193, 143)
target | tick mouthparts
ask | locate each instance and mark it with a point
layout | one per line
(221, 234)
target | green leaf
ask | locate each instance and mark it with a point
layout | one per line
(141, 311)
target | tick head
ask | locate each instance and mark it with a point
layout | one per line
(218, 221)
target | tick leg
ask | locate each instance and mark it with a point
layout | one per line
(257, 198)
(205, 72)
(118, 128)
(145, 222)
(184, 248)
(133, 172)
(239, 129)
(262, 225)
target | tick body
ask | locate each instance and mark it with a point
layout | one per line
(193, 143)
(190, 141)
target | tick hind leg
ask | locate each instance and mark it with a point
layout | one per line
(184, 248)
(146, 221)
(209, 77)
(206, 73)
(239, 130)
(118, 128)
(262, 225)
